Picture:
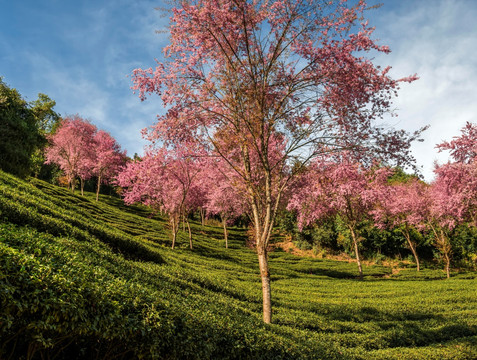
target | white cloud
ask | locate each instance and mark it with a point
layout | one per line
(436, 41)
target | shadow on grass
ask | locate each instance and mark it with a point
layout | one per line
(397, 329)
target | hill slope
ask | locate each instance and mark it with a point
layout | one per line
(80, 279)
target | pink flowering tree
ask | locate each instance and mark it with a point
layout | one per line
(247, 74)
(223, 198)
(461, 174)
(463, 148)
(441, 219)
(403, 206)
(344, 188)
(454, 192)
(108, 159)
(72, 148)
(165, 180)
(453, 199)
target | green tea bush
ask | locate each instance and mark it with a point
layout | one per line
(81, 279)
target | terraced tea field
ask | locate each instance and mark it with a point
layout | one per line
(86, 279)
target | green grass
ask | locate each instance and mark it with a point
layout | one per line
(86, 279)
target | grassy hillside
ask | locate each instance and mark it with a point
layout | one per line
(80, 279)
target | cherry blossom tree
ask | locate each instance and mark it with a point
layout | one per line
(403, 206)
(252, 73)
(344, 188)
(454, 192)
(443, 216)
(72, 148)
(463, 148)
(223, 198)
(108, 159)
(165, 180)
(460, 176)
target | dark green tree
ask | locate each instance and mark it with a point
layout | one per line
(47, 121)
(19, 132)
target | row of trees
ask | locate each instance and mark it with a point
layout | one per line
(34, 140)
(182, 181)
(342, 186)
(82, 151)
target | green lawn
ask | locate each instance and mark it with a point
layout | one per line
(86, 279)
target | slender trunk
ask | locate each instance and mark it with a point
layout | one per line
(356, 251)
(190, 233)
(73, 185)
(407, 235)
(446, 249)
(226, 235)
(446, 255)
(266, 289)
(174, 229)
(263, 217)
(442, 243)
(183, 222)
(82, 186)
(98, 187)
(202, 216)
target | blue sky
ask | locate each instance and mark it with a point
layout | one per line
(80, 53)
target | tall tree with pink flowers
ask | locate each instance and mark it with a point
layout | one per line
(285, 71)
(165, 179)
(224, 196)
(72, 148)
(403, 206)
(339, 187)
(108, 159)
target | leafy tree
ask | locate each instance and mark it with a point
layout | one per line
(47, 121)
(46, 118)
(19, 132)
(242, 77)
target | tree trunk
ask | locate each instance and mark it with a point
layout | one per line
(98, 187)
(411, 245)
(446, 255)
(190, 233)
(174, 229)
(202, 216)
(442, 243)
(73, 185)
(226, 235)
(263, 217)
(82, 186)
(266, 289)
(356, 251)
(446, 249)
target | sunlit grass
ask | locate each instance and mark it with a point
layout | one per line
(99, 279)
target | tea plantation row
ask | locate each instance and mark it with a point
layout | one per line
(81, 279)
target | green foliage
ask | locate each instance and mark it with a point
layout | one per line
(464, 246)
(23, 130)
(400, 176)
(19, 134)
(317, 236)
(81, 279)
(46, 118)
